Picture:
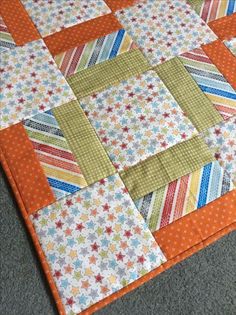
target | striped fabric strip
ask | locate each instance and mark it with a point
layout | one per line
(6, 40)
(210, 81)
(215, 9)
(182, 196)
(94, 52)
(60, 167)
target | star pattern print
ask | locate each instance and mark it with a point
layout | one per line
(164, 29)
(231, 44)
(30, 83)
(137, 118)
(222, 140)
(96, 242)
(52, 16)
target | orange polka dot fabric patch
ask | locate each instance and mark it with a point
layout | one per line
(223, 59)
(225, 27)
(25, 168)
(81, 34)
(115, 5)
(68, 138)
(18, 22)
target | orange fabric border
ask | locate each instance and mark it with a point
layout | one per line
(192, 229)
(116, 5)
(82, 33)
(33, 235)
(188, 235)
(223, 59)
(225, 27)
(18, 22)
(25, 168)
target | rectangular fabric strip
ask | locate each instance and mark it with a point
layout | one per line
(210, 81)
(223, 59)
(110, 72)
(84, 143)
(94, 52)
(82, 33)
(185, 90)
(196, 227)
(25, 168)
(224, 28)
(210, 10)
(184, 195)
(18, 22)
(163, 168)
(59, 164)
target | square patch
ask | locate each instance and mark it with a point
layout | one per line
(51, 16)
(137, 118)
(30, 83)
(96, 242)
(164, 29)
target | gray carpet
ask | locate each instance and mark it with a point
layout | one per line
(203, 284)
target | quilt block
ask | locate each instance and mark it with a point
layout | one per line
(136, 119)
(118, 136)
(31, 83)
(90, 240)
(164, 29)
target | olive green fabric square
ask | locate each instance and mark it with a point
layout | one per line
(186, 92)
(100, 76)
(161, 169)
(197, 5)
(84, 143)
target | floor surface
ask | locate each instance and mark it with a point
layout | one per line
(203, 284)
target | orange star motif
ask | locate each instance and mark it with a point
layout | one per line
(92, 260)
(85, 284)
(104, 289)
(68, 269)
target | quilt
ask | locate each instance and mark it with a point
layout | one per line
(118, 136)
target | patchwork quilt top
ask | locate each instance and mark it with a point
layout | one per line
(118, 136)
